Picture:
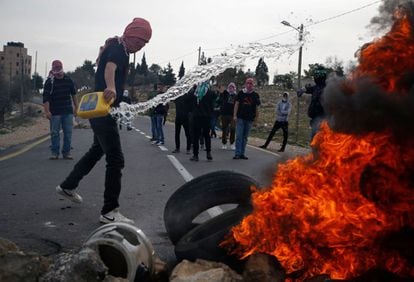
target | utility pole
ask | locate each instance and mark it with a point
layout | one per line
(35, 74)
(21, 84)
(199, 55)
(299, 81)
(300, 30)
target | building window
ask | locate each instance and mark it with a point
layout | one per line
(17, 54)
(17, 72)
(17, 64)
(2, 58)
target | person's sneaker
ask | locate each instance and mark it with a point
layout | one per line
(209, 156)
(68, 157)
(194, 158)
(232, 147)
(159, 143)
(263, 147)
(114, 216)
(236, 157)
(69, 194)
(54, 157)
(154, 142)
(224, 147)
(176, 151)
(243, 157)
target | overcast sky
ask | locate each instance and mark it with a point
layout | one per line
(72, 31)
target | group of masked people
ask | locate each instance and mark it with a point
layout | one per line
(198, 110)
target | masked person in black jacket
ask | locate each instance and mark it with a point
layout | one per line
(228, 98)
(203, 104)
(315, 111)
(182, 118)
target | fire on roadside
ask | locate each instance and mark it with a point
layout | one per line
(331, 212)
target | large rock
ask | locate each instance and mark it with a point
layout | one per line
(203, 271)
(82, 266)
(263, 268)
(16, 266)
(7, 246)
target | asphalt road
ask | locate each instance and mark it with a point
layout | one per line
(37, 219)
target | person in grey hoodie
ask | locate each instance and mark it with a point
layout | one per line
(283, 109)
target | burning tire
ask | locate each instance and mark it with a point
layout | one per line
(202, 193)
(203, 241)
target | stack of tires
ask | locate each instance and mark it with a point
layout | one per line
(201, 240)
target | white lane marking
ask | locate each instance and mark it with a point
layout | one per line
(149, 137)
(214, 211)
(142, 133)
(163, 148)
(181, 169)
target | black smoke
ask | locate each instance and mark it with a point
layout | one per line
(385, 18)
(365, 107)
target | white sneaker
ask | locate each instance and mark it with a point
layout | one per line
(232, 147)
(114, 216)
(154, 142)
(69, 194)
(224, 147)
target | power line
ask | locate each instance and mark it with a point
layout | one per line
(343, 14)
(289, 31)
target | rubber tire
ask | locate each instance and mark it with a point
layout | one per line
(203, 241)
(200, 194)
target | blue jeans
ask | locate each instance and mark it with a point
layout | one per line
(158, 127)
(56, 123)
(153, 127)
(242, 132)
(315, 123)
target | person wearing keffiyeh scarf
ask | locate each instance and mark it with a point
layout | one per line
(112, 68)
(60, 104)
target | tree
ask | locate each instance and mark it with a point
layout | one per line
(37, 82)
(261, 74)
(229, 75)
(88, 67)
(143, 70)
(168, 76)
(84, 76)
(131, 74)
(181, 72)
(312, 67)
(284, 80)
(240, 78)
(155, 69)
(335, 65)
(5, 101)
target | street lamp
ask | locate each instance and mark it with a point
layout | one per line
(300, 30)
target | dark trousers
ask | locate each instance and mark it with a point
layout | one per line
(284, 126)
(201, 125)
(105, 141)
(184, 122)
(227, 124)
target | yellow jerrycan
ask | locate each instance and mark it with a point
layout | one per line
(93, 105)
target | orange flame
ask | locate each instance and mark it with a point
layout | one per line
(328, 213)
